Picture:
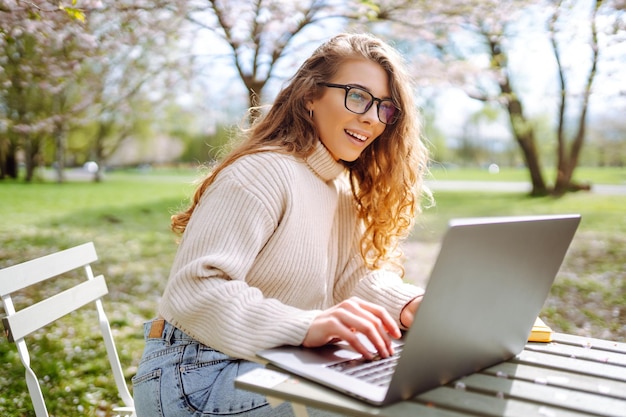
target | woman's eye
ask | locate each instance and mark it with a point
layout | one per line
(358, 96)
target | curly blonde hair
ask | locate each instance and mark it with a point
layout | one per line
(386, 179)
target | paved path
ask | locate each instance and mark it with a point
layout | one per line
(80, 174)
(503, 186)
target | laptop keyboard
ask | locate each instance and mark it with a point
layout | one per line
(377, 371)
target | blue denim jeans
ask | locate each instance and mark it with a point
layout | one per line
(180, 377)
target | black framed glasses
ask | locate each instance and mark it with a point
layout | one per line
(359, 101)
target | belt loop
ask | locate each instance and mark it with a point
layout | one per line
(168, 334)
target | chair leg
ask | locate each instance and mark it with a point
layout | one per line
(32, 382)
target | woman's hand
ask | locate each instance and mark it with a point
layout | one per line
(350, 317)
(408, 312)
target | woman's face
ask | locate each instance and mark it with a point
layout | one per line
(346, 134)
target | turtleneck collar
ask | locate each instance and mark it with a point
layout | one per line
(323, 163)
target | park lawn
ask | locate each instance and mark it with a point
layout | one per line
(127, 217)
(128, 220)
(602, 214)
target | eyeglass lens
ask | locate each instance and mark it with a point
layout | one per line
(359, 101)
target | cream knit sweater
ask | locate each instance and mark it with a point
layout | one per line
(273, 241)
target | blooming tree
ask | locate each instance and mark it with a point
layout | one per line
(460, 32)
(89, 62)
(42, 49)
(606, 27)
(106, 68)
(258, 34)
(133, 71)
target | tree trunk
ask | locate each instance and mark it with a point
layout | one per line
(59, 156)
(8, 164)
(526, 140)
(31, 150)
(567, 162)
(11, 161)
(522, 129)
(98, 149)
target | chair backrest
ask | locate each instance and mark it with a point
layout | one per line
(19, 324)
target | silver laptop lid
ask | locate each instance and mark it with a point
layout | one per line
(489, 283)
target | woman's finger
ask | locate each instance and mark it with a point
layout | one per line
(351, 317)
(387, 321)
(329, 327)
(364, 322)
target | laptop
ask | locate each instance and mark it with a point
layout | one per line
(486, 289)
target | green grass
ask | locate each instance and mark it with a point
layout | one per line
(127, 217)
(600, 213)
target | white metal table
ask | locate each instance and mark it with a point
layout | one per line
(571, 376)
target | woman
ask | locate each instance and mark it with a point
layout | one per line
(293, 238)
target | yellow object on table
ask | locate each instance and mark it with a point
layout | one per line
(540, 332)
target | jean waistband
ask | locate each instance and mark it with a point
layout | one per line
(161, 329)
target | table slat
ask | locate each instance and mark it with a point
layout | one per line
(546, 395)
(563, 379)
(611, 346)
(490, 405)
(606, 371)
(584, 353)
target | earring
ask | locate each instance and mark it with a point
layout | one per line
(311, 113)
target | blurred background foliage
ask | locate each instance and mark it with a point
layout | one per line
(527, 83)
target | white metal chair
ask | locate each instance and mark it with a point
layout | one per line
(19, 324)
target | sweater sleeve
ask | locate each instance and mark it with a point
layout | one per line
(381, 287)
(388, 290)
(207, 295)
